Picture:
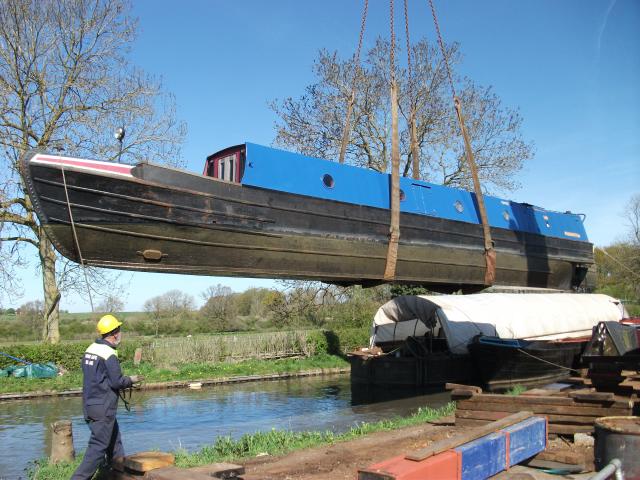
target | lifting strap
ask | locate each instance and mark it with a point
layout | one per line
(489, 252)
(394, 228)
(346, 134)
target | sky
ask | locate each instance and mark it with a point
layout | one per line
(572, 67)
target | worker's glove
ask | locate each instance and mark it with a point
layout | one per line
(136, 378)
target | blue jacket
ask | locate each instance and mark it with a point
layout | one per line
(102, 376)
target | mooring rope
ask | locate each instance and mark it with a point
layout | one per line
(547, 361)
(75, 238)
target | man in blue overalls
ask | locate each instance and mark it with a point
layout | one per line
(103, 380)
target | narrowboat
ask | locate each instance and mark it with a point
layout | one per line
(261, 212)
(496, 340)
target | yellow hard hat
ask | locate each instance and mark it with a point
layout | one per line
(108, 323)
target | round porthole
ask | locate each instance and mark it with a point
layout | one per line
(505, 215)
(327, 180)
(403, 197)
(458, 206)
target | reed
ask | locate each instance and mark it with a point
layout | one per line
(224, 348)
(279, 442)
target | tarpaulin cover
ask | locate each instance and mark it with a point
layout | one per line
(33, 370)
(540, 316)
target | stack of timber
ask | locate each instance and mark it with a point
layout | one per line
(620, 382)
(568, 412)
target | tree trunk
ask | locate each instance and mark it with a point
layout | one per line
(51, 315)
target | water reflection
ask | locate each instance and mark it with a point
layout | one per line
(190, 419)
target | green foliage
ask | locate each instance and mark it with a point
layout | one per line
(399, 290)
(278, 442)
(182, 372)
(516, 390)
(66, 355)
(44, 470)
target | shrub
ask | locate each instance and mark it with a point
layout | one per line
(67, 355)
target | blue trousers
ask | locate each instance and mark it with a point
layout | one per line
(104, 444)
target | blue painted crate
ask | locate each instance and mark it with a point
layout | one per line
(526, 439)
(483, 457)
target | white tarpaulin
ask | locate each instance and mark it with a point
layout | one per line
(540, 316)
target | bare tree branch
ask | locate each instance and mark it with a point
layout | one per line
(66, 83)
(313, 123)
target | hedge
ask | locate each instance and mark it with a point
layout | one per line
(68, 355)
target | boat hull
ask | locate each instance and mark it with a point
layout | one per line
(163, 220)
(502, 367)
(433, 370)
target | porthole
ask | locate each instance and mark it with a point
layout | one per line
(327, 180)
(505, 215)
(403, 197)
(458, 206)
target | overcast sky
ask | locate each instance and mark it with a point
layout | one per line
(571, 67)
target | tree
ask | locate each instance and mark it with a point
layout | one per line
(313, 124)
(65, 84)
(29, 314)
(111, 304)
(618, 265)
(219, 307)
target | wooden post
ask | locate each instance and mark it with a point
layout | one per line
(62, 442)
(137, 356)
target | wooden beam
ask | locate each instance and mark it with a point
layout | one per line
(542, 408)
(542, 400)
(456, 441)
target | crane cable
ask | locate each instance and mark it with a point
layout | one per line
(346, 134)
(75, 238)
(394, 227)
(489, 251)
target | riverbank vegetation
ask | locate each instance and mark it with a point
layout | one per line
(272, 442)
(297, 305)
(186, 372)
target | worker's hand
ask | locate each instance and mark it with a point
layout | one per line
(136, 378)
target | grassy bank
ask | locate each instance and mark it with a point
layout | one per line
(185, 372)
(273, 442)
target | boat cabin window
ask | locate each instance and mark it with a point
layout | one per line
(226, 168)
(225, 165)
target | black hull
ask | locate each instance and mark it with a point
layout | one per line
(502, 367)
(433, 370)
(163, 220)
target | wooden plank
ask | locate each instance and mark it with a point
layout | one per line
(554, 428)
(491, 416)
(459, 394)
(564, 456)
(457, 440)
(574, 409)
(586, 395)
(569, 429)
(174, 473)
(459, 386)
(143, 462)
(539, 400)
(481, 415)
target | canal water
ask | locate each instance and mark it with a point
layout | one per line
(190, 419)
